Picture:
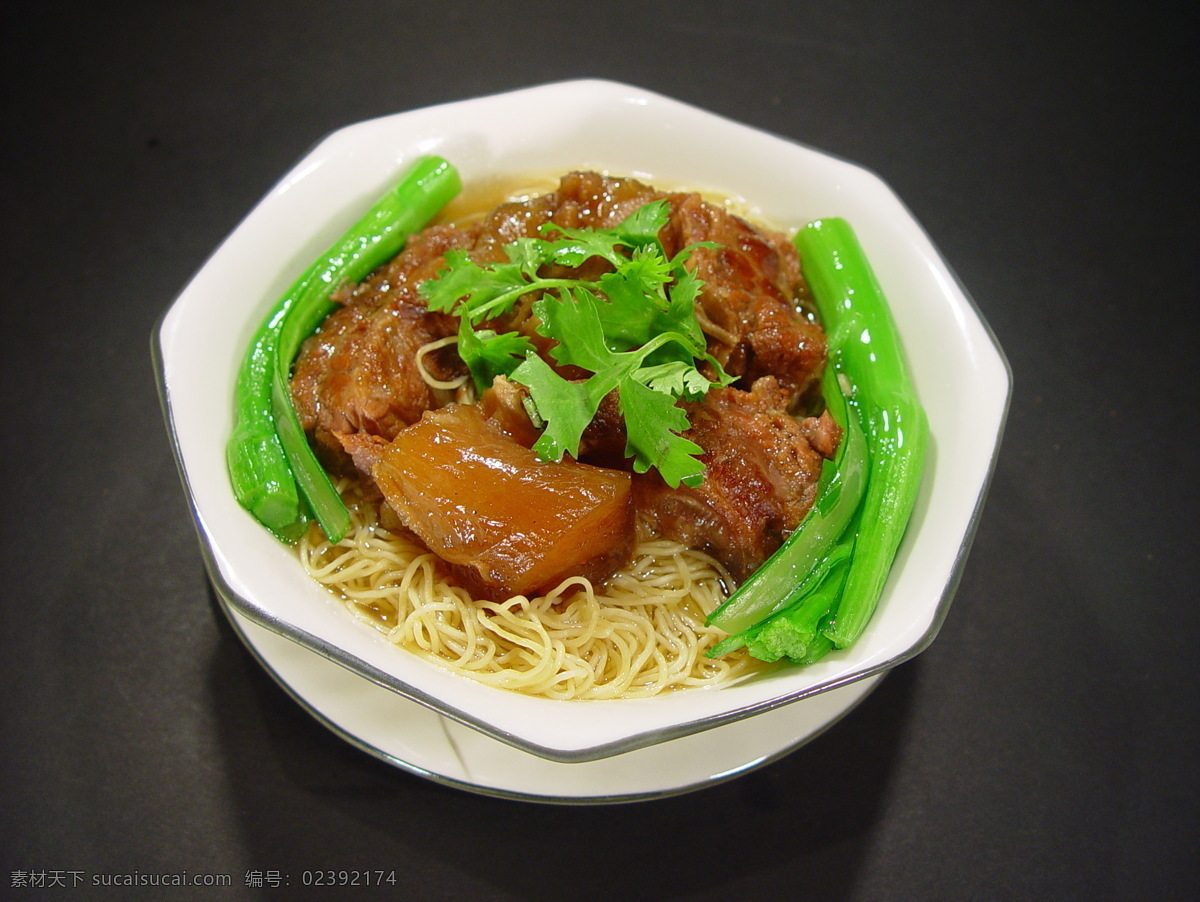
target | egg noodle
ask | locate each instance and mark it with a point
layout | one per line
(642, 635)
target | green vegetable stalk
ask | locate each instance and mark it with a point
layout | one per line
(798, 632)
(274, 472)
(820, 589)
(789, 574)
(854, 307)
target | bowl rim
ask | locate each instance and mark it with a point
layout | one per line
(640, 738)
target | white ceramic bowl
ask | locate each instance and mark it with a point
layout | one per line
(959, 371)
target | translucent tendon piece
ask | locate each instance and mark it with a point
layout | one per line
(508, 522)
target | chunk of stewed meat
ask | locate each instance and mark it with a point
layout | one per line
(383, 360)
(760, 479)
(359, 372)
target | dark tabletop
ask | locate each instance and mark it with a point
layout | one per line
(1045, 745)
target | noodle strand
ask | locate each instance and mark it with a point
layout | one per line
(642, 635)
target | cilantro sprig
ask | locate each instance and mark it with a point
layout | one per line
(634, 329)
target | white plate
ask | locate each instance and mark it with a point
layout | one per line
(424, 743)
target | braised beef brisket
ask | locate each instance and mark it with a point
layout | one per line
(358, 375)
(760, 477)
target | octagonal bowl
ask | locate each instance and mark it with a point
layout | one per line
(958, 369)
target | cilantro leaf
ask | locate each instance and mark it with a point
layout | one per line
(580, 245)
(647, 395)
(475, 292)
(682, 311)
(488, 354)
(566, 407)
(675, 378)
(637, 230)
(633, 330)
(652, 425)
(529, 254)
(574, 314)
(641, 227)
